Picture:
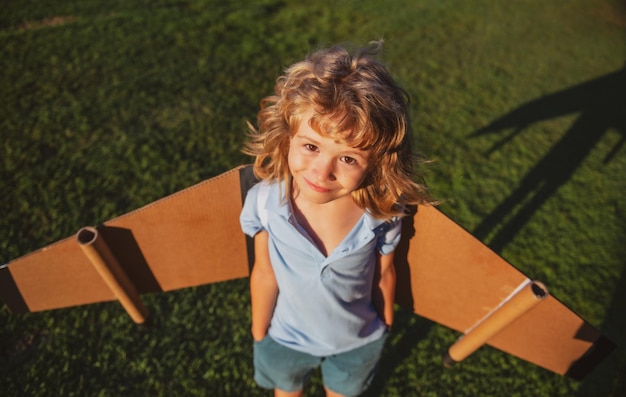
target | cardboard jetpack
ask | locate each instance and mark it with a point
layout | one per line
(193, 238)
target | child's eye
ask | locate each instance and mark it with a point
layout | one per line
(348, 160)
(310, 147)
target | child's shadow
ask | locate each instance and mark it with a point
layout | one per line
(601, 106)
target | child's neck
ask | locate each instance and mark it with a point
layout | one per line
(329, 223)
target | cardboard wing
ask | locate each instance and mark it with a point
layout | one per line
(450, 277)
(187, 239)
(193, 238)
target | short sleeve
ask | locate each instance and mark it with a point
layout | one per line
(390, 236)
(249, 217)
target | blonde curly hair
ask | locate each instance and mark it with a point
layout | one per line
(357, 102)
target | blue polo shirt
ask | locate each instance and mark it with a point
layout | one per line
(324, 304)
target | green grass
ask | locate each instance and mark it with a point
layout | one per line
(107, 106)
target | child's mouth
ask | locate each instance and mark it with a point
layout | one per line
(315, 187)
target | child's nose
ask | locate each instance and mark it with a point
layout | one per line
(324, 169)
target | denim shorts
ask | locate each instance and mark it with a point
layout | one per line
(350, 373)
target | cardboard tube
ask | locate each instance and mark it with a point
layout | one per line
(527, 295)
(101, 257)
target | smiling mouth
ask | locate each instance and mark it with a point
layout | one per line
(316, 188)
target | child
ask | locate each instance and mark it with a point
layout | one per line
(333, 153)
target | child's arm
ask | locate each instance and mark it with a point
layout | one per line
(385, 287)
(263, 287)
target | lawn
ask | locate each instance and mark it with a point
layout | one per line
(109, 105)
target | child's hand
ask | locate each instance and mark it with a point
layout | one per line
(258, 335)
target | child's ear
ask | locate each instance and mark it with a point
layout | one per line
(368, 180)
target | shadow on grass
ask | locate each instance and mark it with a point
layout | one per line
(600, 105)
(607, 379)
(409, 329)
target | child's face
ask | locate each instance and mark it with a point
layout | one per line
(324, 170)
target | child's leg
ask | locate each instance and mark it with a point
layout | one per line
(330, 393)
(281, 368)
(350, 373)
(280, 393)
